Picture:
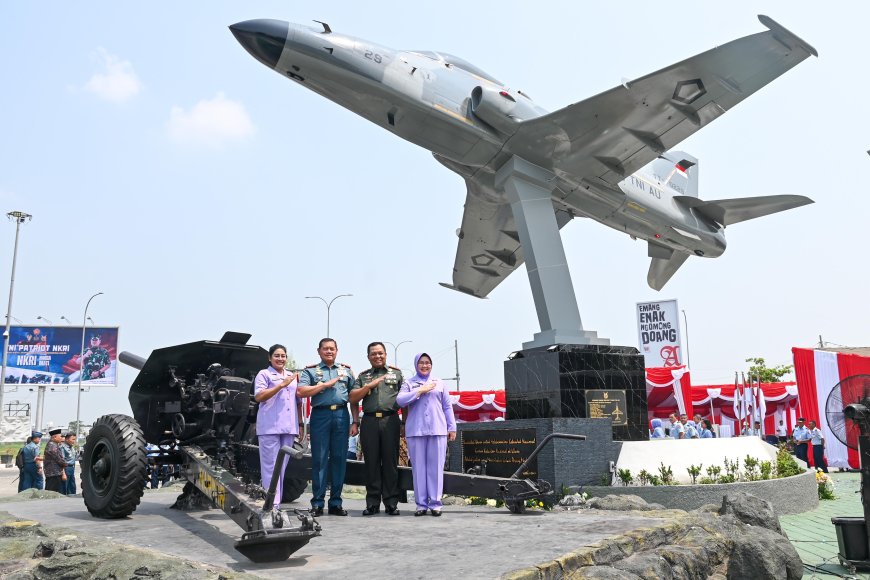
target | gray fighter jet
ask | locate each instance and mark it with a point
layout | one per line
(528, 171)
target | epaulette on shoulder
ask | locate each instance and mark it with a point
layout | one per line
(394, 368)
(345, 365)
(311, 366)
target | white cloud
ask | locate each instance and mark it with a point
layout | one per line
(210, 122)
(118, 81)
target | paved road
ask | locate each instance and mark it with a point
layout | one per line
(467, 542)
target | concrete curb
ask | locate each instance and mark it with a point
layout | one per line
(789, 495)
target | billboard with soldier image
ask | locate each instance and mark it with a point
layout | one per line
(53, 355)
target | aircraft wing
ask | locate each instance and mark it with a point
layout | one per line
(489, 247)
(610, 136)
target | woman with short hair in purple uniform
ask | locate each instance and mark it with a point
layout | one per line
(428, 427)
(279, 415)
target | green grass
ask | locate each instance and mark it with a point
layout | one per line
(10, 448)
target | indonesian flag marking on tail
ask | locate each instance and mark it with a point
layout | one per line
(683, 167)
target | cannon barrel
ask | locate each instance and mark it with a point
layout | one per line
(133, 360)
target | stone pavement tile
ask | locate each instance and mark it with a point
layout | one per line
(815, 537)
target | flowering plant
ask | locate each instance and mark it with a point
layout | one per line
(826, 485)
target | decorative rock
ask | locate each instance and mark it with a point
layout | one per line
(574, 500)
(622, 503)
(751, 510)
(646, 565)
(700, 544)
(604, 573)
(763, 554)
(30, 551)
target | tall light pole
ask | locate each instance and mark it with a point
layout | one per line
(18, 320)
(686, 321)
(67, 320)
(396, 350)
(20, 217)
(82, 367)
(328, 306)
(45, 319)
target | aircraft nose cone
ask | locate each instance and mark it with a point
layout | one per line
(264, 39)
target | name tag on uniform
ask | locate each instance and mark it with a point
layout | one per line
(342, 373)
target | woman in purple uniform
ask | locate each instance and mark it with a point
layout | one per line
(279, 415)
(430, 424)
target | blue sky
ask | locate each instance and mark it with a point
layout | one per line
(168, 169)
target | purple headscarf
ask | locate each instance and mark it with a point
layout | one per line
(418, 378)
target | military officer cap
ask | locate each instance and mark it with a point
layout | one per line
(54, 432)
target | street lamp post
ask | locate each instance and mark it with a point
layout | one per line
(45, 319)
(686, 321)
(20, 217)
(82, 367)
(396, 350)
(67, 320)
(328, 306)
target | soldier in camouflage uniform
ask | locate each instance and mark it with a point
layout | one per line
(377, 388)
(96, 360)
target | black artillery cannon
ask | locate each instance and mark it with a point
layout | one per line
(195, 403)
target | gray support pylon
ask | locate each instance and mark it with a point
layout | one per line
(528, 188)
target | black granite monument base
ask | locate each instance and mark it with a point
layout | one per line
(580, 381)
(506, 444)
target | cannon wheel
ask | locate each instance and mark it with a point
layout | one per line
(516, 506)
(293, 488)
(113, 467)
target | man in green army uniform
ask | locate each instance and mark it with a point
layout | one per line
(377, 388)
(96, 360)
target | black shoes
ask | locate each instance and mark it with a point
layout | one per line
(372, 510)
(420, 512)
(336, 511)
(393, 511)
(316, 511)
(436, 513)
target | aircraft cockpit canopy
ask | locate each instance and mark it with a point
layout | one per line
(451, 60)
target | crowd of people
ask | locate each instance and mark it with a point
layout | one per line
(681, 427)
(53, 468)
(419, 405)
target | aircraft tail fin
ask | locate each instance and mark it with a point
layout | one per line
(731, 211)
(679, 172)
(662, 269)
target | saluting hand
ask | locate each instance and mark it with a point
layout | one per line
(331, 383)
(374, 384)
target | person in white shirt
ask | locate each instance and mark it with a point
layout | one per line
(781, 432)
(677, 429)
(817, 438)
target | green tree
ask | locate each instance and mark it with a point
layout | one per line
(767, 374)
